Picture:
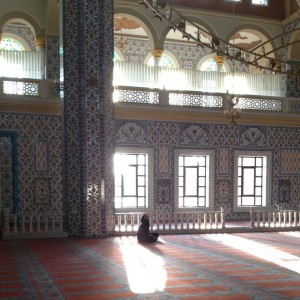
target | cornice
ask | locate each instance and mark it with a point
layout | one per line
(51, 106)
(181, 114)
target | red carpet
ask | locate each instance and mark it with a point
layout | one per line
(209, 266)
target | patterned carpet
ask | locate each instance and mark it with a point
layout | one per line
(207, 266)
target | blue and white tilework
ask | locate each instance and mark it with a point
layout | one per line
(283, 142)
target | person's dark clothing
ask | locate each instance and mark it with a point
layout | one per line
(143, 234)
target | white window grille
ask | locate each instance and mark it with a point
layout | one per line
(133, 179)
(252, 180)
(193, 180)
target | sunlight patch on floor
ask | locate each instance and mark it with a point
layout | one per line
(291, 233)
(145, 269)
(260, 250)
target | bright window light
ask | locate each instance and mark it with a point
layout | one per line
(262, 251)
(260, 2)
(237, 83)
(10, 44)
(132, 173)
(145, 270)
(193, 174)
(252, 183)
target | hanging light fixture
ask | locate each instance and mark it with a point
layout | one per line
(162, 10)
(122, 42)
(232, 110)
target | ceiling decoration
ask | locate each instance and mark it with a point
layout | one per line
(251, 51)
(124, 23)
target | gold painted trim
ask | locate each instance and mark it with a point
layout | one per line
(40, 42)
(183, 114)
(50, 106)
(157, 53)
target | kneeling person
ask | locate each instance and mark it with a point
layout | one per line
(143, 234)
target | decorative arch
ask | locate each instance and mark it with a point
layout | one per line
(199, 22)
(225, 65)
(262, 34)
(168, 53)
(23, 18)
(23, 43)
(259, 31)
(141, 20)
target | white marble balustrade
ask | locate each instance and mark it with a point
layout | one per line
(172, 222)
(275, 218)
(31, 223)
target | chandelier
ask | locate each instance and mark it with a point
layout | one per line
(232, 110)
(176, 21)
(121, 40)
(257, 57)
(122, 43)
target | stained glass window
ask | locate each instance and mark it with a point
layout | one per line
(209, 65)
(165, 61)
(10, 44)
(116, 57)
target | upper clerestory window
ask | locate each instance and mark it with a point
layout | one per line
(10, 44)
(260, 2)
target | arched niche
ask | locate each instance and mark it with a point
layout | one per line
(250, 37)
(18, 16)
(135, 25)
(192, 24)
(19, 39)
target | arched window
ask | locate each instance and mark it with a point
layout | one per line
(116, 57)
(165, 61)
(9, 68)
(16, 61)
(210, 64)
(11, 44)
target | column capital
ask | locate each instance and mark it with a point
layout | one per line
(40, 42)
(157, 53)
(219, 59)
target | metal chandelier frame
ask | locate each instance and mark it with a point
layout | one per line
(163, 11)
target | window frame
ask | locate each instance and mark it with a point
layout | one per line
(268, 180)
(211, 157)
(149, 152)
